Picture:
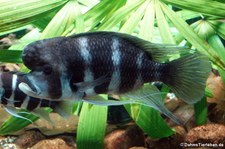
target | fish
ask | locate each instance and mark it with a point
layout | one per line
(12, 99)
(92, 63)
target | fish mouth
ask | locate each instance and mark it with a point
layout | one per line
(29, 88)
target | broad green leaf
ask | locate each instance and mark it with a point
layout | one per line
(14, 124)
(9, 30)
(78, 25)
(91, 126)
(134, 19)
(217, 44)
(208, 7)
(164, 28)
(25, 40)
(88, 3)
(192, 37)
(18, 13)
(120, 14)
(201, 111)
(42, 22)
(186, 14)
(147, 23)
(10, 56)
(149, 120)
(100, 11)
(204, 29)
(61, 21)
(219, 27)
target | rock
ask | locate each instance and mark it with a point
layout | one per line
(128, 137)
(168, 142)
(138, 148)
(7, 142)
(52, 144)
(209, 133)
(186, 114)
(69, 139)
(216, 85)
(215, 115)
(61, 125)
(29, 138)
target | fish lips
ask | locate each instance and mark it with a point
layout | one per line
(29, 88)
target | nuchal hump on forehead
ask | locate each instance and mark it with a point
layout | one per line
(115, 63)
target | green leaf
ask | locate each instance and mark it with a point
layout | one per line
(120, 14)
(14, 124)
(149, 120)
(91, 126)
(192, 37)
(134, 19)
(163, 25)
(208, 7)
(10, 56)
(103, 9)
(186, 14)
(61, 21)
(18, 13)
(217, 44)
(147, 23)
(201, 111)
(25, 40)
(219, 27)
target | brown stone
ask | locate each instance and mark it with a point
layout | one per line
(128, 137)
(52, 144)
(29, 138)
(168, 142)
(138, 148)
(210, 133)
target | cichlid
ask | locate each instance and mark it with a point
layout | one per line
(12, 98)
(87, 64)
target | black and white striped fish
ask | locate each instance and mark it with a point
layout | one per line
(11, 97)
(107, 62)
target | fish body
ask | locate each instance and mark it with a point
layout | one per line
(59, 66)
(11, 97)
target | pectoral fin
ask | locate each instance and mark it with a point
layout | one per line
(83, 86)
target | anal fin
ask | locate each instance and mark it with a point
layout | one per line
(150, 96)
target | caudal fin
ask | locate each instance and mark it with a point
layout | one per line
(187, 76)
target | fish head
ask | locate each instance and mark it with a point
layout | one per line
(48, 78)
(40, 85)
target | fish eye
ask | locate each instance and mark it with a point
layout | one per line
(47, 69)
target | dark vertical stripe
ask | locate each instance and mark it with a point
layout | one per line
(32, 103)
(101, 61)
(19, 96)
(7, 85)
(54, 104)
(45, 103)
(128, 68)
(77, 65)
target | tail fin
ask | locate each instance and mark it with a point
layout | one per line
(187, 77)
